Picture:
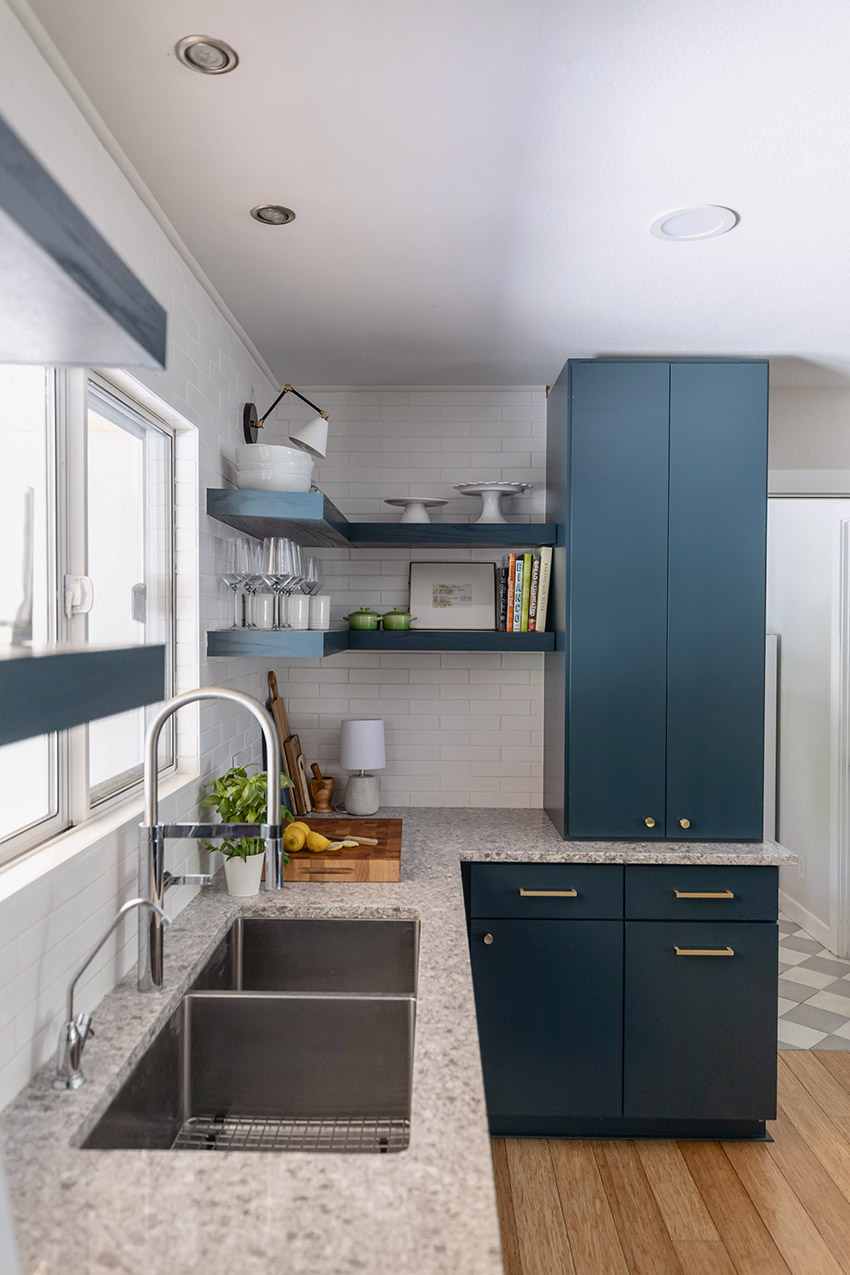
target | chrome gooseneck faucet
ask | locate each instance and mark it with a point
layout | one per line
(76, 1031)
(153, 879)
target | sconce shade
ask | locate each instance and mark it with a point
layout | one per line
(312, 437)
(362, 745)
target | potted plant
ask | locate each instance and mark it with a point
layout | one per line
(242, 798)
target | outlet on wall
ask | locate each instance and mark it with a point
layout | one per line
(801, 866)
(243, 758)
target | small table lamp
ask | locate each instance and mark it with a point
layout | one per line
(362, 748)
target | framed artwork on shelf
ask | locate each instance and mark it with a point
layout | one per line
(453, 595)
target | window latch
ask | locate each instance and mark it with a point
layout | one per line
(140, 602)
(79, 595)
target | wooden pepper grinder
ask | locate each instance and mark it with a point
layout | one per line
(322, 790)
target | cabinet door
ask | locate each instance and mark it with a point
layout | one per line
(718, 506)
(549, 1003)
(618, 598)
(700, 1031)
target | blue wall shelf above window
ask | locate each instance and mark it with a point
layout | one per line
(56, 688)
(309, 518)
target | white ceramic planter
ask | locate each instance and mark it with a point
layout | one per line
(243, 875)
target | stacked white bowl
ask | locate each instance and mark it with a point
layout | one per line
(263, 467)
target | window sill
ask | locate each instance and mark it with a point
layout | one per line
(46, 858)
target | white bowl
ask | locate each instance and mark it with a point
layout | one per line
(277, 482)
(268, 454)
(271, 470)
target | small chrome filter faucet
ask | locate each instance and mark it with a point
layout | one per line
(76, 1030)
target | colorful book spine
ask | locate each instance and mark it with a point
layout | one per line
(525, 597)
(543, 588)
(517, 597)
(502, 622)
(511, 585)
(535, 589)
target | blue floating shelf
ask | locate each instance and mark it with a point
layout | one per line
(311, 519)
(270, 644)
(451, 640)
(54, 689)
(267, 644)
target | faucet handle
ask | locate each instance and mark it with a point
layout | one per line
(187, 878)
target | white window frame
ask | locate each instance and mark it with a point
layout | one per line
(66, 405)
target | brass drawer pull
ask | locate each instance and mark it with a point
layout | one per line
(548, 894)
(704, 951)
(704, 894)
(488, 939)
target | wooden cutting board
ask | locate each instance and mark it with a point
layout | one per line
(356, 863)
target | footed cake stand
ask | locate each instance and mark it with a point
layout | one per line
(491, 495)
(415, 507)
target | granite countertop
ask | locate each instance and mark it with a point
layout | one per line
(429, 1210)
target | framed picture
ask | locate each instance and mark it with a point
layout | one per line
(453, 595)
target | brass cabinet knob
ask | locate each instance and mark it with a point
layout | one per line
(488, 939)
(649, 821)
(684, 823)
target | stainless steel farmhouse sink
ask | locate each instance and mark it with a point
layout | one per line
(297, 1035)
(309, 954)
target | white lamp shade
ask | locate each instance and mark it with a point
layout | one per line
(312, 437)
(362, 745)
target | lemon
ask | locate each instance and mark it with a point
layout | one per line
(335, 845)
(294, 838)
(298, 823)
(348, 842)
(316, 842)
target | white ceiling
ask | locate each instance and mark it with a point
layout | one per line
(474, 179)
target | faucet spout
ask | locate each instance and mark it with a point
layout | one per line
(153, 880)
(76, 1030)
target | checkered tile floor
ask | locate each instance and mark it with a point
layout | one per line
(814, 993)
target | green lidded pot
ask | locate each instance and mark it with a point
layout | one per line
(397, 620)
(364, 619)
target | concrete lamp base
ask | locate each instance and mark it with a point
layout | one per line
(363, 794)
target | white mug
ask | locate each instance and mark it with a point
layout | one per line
(264, 608)
(298, 611)
(320, 611)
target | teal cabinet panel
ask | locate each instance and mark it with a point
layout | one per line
(549, 1000)
(700, 1030)
(618, 447)
(715, 674)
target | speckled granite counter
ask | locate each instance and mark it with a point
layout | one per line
(427, 1211)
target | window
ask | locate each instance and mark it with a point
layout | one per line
(87, 525)
(129, 540)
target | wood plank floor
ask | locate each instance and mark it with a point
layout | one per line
(690, 1208)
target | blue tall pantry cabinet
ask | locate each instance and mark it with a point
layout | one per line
(654, 700)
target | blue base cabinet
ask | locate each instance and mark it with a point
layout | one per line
(549, 998)
(630, 1001)
(654, 704)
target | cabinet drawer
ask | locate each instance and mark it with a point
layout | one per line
(700, 1020)
(667, 892)
(544, 891)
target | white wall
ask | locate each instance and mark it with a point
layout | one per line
(462, 730)
(802, 609)
(809, 429)
(50, 918)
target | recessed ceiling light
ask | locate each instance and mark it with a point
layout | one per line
(704, 221)
(205, 54)
(273, 214)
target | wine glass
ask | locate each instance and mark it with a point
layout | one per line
(232, 569)
(312, 581)
(277, 571)
(253, 580)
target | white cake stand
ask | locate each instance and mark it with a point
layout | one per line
(491, 495)
(415, 507)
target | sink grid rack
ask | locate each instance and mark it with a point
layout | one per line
(222, 1132)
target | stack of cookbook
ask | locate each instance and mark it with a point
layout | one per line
(523, 582)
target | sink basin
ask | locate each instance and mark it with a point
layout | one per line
(308, 954)
(270, 1072)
